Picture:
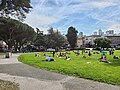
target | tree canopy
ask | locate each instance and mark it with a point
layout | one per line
(72, 36)
(53, 39)
(39, 38)
(15, 33)
(16, 8)
(102, 42)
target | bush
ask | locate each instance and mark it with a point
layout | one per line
(117, 48)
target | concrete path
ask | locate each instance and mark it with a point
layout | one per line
(30, 78)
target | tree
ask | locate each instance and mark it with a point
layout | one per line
(72, 36)
(15, 33)
(102, 42)
(16, 8)
(39, 40)
(7, 29)
(24, 35)
(54, 39)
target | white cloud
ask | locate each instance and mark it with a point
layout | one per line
(101, 5)
(115, 27)
(40, 21)
(45, 13)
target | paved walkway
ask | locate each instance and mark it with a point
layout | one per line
(30, 78)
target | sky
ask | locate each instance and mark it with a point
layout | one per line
(86, 16)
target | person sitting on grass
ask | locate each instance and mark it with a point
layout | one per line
(37, 55)
(83, 56)
(103, 52)
(67, 58)
(103, 60)
(112, 52)
(60, 55)
(67, 52)
(116, 57)
(63, 54)
(57, 55)
(95, 53)
(43, 54)
(48, 58)
(76, 53)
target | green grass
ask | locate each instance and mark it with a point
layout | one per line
(98, 71)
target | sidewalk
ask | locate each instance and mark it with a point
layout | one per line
(30, 78)
(11, 60)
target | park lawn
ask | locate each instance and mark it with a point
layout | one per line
(88, 68)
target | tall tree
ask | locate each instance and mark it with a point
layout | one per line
(39, 40)
(7, 29)
(54, 39)
(16, 8)
(72, 36)
(102, 42)
(15, 33)
(23, 35)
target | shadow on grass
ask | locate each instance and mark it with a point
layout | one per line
(43, 60)
(114, 63)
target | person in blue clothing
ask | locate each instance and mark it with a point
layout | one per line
(103, 52)
(48, 58)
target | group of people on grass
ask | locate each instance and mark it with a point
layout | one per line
(48, 58)
(103, 57)
(64, 54)
(111, 51)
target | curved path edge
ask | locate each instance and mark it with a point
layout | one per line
(30, 78)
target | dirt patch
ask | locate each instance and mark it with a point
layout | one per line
(7, 85)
